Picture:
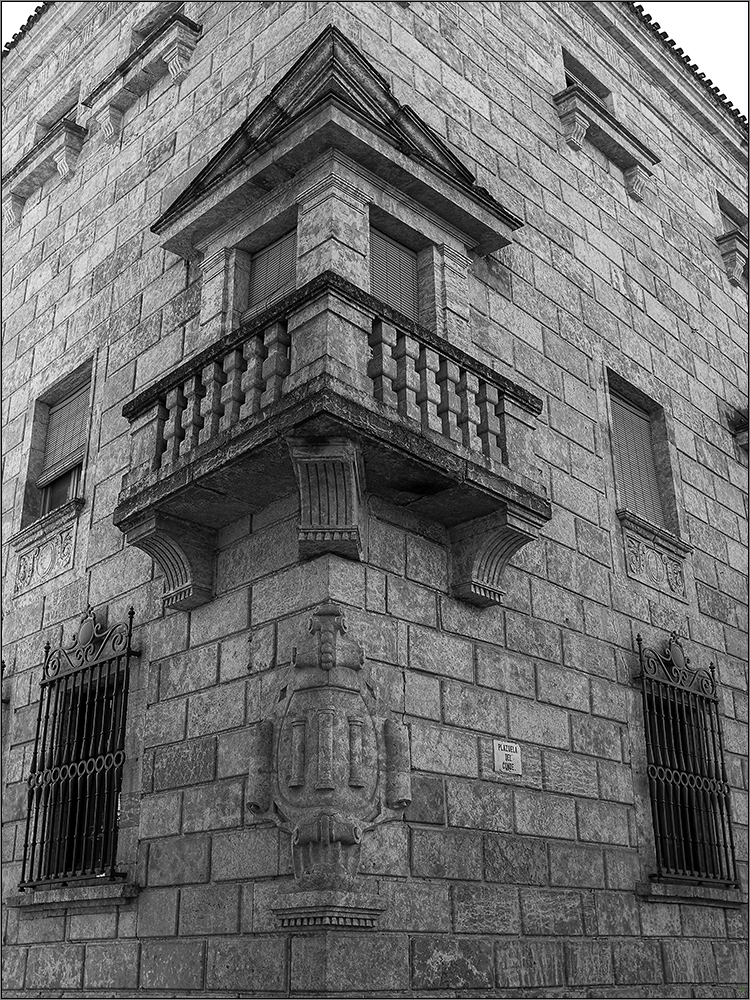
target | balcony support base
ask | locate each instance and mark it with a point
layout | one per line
(185, 554)
(482, 548)
(333, 509)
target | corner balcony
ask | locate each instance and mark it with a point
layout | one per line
(331, 394)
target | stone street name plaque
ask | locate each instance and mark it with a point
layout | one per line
(507, 756)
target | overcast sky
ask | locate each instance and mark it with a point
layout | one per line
(713, 34)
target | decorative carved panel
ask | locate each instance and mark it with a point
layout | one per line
(734, 253)
(328, 764)
(653, 556)
(46, 548)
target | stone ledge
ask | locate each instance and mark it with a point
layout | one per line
(41, 902)
(57, 152)
(689, 892)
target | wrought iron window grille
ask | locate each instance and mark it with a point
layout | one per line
(687, 778)
(76, 773)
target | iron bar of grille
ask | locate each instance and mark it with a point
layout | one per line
(76, 774)
(687, 783)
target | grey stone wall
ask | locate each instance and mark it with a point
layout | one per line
(494, 885)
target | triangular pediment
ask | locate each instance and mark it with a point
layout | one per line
(331, 72)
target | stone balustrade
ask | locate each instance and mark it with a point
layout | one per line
(411, 373)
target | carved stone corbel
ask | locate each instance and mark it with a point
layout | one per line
(333, 512)
(327, 766)
(109, 120)
(636, 179)
(178, 50)
(734, 253)
(12, 210)
(481, 549)
(185, 554)
(575, 126)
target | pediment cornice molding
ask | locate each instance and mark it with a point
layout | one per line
(331, 98)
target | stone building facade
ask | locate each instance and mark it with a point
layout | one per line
(374, 504)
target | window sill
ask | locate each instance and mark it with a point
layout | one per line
(585, 117)
(688, 892)
(653, 556)
(42, 902)
(46, 547)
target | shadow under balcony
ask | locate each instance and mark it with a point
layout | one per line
(332, 394)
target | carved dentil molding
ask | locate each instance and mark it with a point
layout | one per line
(329, 763)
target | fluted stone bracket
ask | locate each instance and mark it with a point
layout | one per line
(585, 119)
(333, 508)
(56, 153)
(185, 554)
(734, 253)
(481, 550)
(328, 764)
(168, 49)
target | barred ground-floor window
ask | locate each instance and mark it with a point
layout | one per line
(686, 772)
(79, 752)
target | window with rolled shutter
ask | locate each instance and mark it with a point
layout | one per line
(393, 274)
(635, 469)
(64, 449)
(273, 270)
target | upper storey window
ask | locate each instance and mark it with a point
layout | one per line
(273, 270)
(393, 274)
(576, 72)
(635, 469)
(64, 450)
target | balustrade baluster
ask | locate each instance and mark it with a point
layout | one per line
(232, 396)
(382, 367)
(254, 353)
(192, 421)
(406, 383)
(173, 432)
(449, 407)
(277, 363)
(469, 417)
(212, 407)
(489, 423)
(428, 397)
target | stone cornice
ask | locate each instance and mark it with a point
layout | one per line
(646, 49)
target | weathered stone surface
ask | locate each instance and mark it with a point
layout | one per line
(446, 854)
(172, 965)
(428, 800)
(515, 860)
(532, 964)
(576, 866)
(61, 965)
(589, 962)
(479, 806)
(637, 962)
(157, 913)
(485, 910)
(112, 966)
(178, 861)
(257, 963)
(551, 913)
(210, 909)
(439, 963)
(245, 854)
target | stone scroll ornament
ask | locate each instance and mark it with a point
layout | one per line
(330, 764)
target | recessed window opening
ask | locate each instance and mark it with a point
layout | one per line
(636, 476)
(732, 219)
(273, 270)
(64, 450)
(393, 274)
(576, 73)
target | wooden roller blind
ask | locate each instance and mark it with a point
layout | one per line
(66, 435)
(635, 469)
(273, 269)
(393, 274)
